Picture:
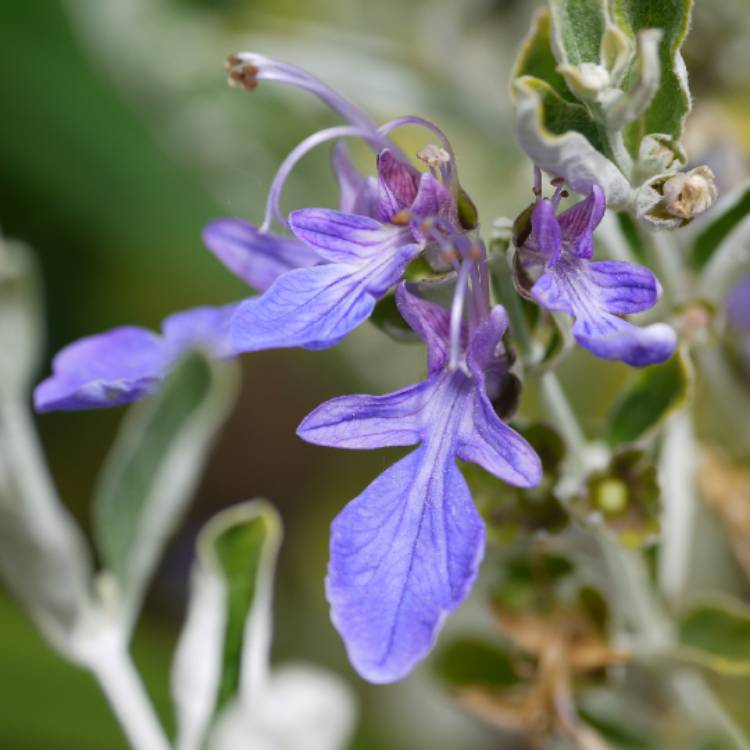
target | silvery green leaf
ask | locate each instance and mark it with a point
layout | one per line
(20, 317)
(578, 29)
(151, 472)
(44, 561)
(224, 647)
(300, 708)
(671, 103)
(632, 104)
(560, 137)
(535, 58)
(712, 230)
(588, 81)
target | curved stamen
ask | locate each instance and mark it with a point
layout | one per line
(457, 310)
(273, 70)
(273, 203)
(449, 171)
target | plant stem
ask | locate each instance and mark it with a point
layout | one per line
(668, 258)
(620, 154)
(677, 479)
(562, 414)
(122, 685)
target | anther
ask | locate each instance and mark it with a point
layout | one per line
(233, 61)
(402, 218)
(557, 181)
(474, 253)
(450, 254)
(245, 77)
(433, 155)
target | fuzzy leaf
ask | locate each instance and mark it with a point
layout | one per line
(224, 646)
(561, 138)
(716, 634)
(151, 472)
(671, 102)
(44, 561)
(578, 27)
(654, 394)
(536, 59)
(710, 231)
(20, 317)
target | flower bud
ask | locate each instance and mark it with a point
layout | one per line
(690, 193)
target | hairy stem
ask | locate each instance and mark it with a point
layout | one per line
(677, 478)
(124, 690)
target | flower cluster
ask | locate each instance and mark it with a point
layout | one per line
(406, 551)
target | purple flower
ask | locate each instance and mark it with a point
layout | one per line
(557, 256)
(362, 256)
(406, 551)
(315, 288)
(128, 363)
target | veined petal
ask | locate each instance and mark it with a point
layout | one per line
(551, 294)
(546, 231)
(614, 338)
(433, 199)
(202, 326)
(258, 258)
(404, 554)
(571, 287)
(486, 350)
(316, 307)
(624, 287)
(579, 221)
(369, 421)
(345, 238)
(486, 440)
(109, 369)
(310, 307)
(357, 194)
(398, 184)
(430, 322)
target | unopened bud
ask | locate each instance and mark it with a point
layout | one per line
(690, 193)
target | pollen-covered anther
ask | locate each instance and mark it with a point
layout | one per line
(474, 253)
(233, 61)
(245, 76)
(451, 255)
(402, 218)
(433, 155)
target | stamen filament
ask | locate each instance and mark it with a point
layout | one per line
(457, 309)
(273, 203)
(273, 70)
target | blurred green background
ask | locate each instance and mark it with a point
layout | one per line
(119, 140)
